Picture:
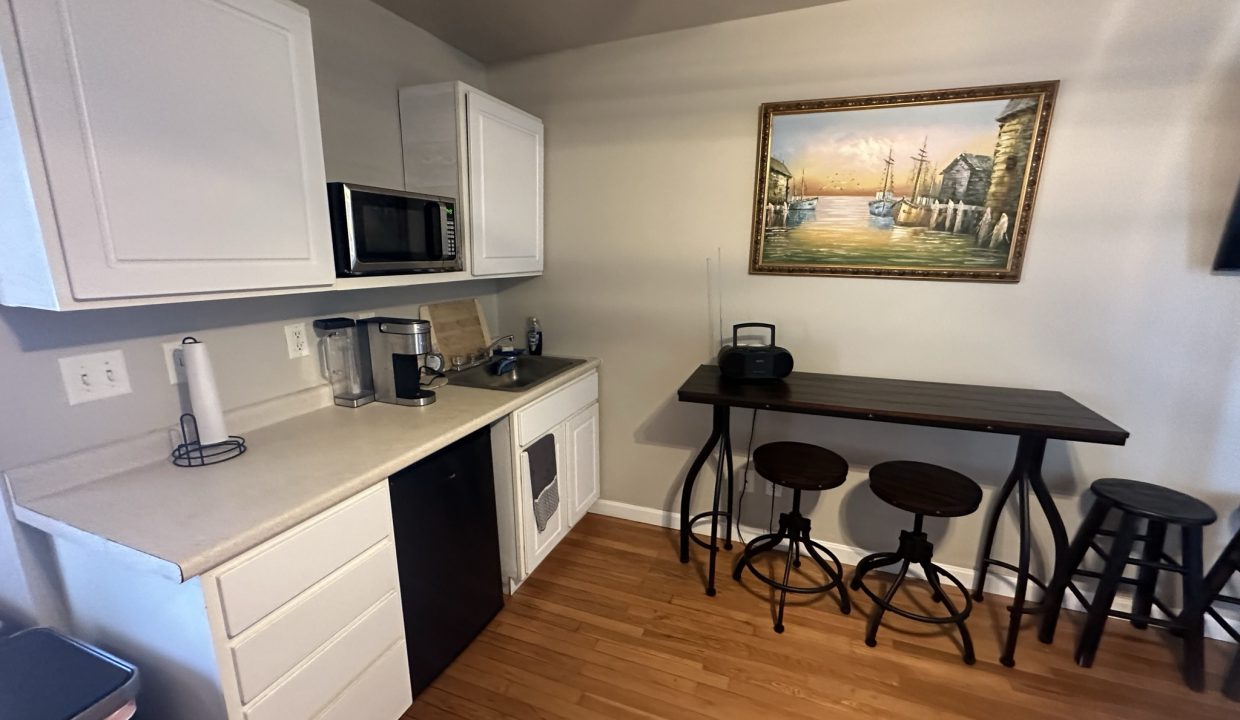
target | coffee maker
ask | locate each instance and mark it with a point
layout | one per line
(397, 351)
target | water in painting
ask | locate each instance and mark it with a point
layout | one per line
(933, 186)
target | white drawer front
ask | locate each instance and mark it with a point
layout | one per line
(276, 572)
(532, 422)
(311, 687)
(381, 693)
(298, 629)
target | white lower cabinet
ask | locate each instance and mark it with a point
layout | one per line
(295, 633)
(570, 416)
(306, 626)
(581, 431)
(307, 691)
(302, 618)
(538, 542)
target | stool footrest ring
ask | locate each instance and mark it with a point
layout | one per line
(953, 618)
(705, 516)
(835, 579)
(796, 538)
(1009, 566)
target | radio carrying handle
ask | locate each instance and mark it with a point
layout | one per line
(736, 331)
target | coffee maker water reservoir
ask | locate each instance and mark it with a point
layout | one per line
(347, 360)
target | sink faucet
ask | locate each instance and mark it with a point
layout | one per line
(481, 356)
(486, 352)
(464, 362)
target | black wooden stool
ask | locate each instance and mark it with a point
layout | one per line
(1227, 565)
(797, 466)
(1159, 507)
(921, 489)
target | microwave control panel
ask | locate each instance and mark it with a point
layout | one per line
(449, 238)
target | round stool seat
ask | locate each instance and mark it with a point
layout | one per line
(925, 489)
(1154, 502)
(800, 466)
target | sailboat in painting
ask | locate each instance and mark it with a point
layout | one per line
(801, 202)
(883, 200)
(915, 210)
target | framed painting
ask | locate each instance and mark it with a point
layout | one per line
(935, 185)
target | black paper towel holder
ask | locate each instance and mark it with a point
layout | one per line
(193, 453)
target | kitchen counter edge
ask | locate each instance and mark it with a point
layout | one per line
(40, 512)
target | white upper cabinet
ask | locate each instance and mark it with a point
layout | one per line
(461, 142)
(167, 148)
(505, 187)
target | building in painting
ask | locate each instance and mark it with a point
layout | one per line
(1007, 178)
(778, 178)
(966, 179)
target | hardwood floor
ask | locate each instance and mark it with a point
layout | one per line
(612, 626)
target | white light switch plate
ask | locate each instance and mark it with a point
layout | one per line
(295, 336)
(94, 377)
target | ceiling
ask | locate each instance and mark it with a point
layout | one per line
(495, 31)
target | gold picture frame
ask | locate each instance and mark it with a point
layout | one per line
(901, 185)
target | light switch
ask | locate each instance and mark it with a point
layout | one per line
(94, 377)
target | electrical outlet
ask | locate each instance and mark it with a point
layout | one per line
(773, 489)
(174, 360)
(295, 336)
(94, 377)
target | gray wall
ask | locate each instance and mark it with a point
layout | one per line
(650, 156)
(363, 54)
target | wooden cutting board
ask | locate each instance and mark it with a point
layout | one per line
(457, 327)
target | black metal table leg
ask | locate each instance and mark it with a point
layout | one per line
(992, 525)
(719, 432)
(1026, 477)
(1059, 532)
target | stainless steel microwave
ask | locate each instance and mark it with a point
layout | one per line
(388, 232)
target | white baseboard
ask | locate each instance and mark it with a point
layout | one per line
(1000, 581)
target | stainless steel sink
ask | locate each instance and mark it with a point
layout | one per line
(529, 370)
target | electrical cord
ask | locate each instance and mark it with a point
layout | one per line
(740, 506)
(770, 518)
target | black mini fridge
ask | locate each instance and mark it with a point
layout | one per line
(447, 552)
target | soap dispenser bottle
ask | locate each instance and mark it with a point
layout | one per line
(534, 338)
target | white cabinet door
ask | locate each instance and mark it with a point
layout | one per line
(505, 187)
(582, 432)
(182, 145)
(538, 544)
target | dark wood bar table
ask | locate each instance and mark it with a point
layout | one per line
(1034, 416)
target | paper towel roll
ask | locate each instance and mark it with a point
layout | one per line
(204, 397)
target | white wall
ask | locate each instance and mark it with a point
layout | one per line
(363, 54)
(650, 167)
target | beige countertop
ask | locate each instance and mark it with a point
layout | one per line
(185, 521)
